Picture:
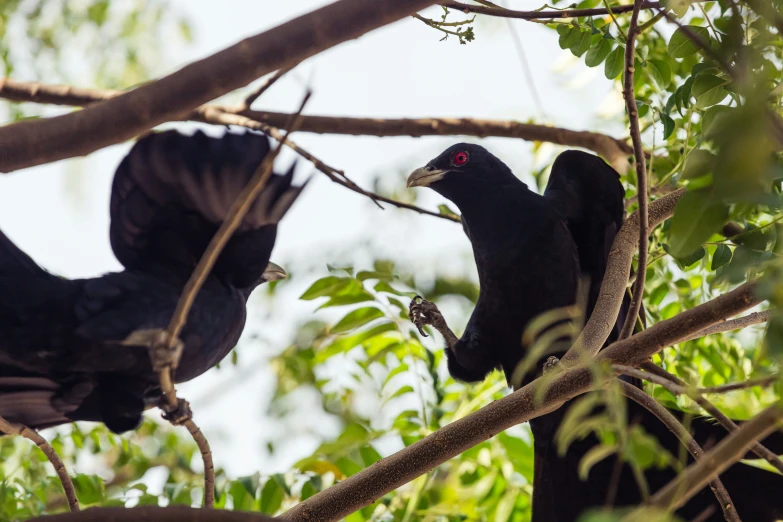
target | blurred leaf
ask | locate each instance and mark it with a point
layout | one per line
(357, 318)
(680, 44)
(697, 216)
(721, 256)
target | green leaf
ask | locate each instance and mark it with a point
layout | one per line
(356, 318)
(680, 44)
(583, 44)
(660, 72)
(708, 90)
(697, 216)
(593, 457)
(679, 7)
(614, 63)
(325, 286)
(89, 489)
(570, 37)
(97, 12)
(668, 125)
(342, 300)
(721, 256)
(698, 163)
(271, 497)
(598, 53)
(369, 455)
(710, 116)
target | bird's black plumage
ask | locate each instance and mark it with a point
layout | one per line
(61, 351)
(531, 252)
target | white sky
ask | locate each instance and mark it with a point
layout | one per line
(59, 213)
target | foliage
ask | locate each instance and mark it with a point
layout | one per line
(118, 43)
(712, 130)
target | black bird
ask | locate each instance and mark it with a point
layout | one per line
(532, 252)
(62, 356)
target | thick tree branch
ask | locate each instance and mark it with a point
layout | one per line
(679, 431)
(618, 269)
(641, 174)
(723, 455)
(537, 398)
(30, 143)
(614, 150)
(12, 428)
(155, 514)
(546, 15)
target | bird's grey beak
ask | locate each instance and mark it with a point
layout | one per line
(425, 176)
(274, 272)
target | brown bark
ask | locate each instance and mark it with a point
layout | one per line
(30, 143)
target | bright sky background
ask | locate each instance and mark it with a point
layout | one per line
(58, 213)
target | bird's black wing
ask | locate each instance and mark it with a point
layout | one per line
(589, 195)
(172, 191)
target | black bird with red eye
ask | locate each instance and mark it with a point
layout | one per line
(531, 250)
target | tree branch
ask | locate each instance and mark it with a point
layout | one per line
(614, 150)
(13, 428)
(212, 114)
(537, 398)
(723, 455)
(641, 174)
(679, 431)
(733, 324)
(536, 15)
(155, 514)
(618, 269)
(30, 143)
(676, 386)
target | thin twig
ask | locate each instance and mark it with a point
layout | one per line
(233, 219)
(641, 175)
(206, 457)
(679, 431)
(13, 428)
(762, 382)
(723, 455)
(264, 86)
(676, 386)
(733, 324)
(535, 15)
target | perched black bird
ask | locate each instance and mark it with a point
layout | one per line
(62, 356)
(531, 252)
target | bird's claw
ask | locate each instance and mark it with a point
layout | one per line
(423, 312)
(179, 415)
(552, 363)
(157, 341)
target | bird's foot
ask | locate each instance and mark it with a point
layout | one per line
(179, 415)
(423, 312)
(163, 353)
(552, 365)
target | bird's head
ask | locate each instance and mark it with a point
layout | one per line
(461, 170)
(273, 272)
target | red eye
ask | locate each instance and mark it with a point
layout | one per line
(460, 158)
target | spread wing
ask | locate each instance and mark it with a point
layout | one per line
(590, 196)
(172, 191)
